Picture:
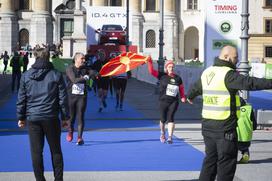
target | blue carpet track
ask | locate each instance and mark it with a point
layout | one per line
(114, 150)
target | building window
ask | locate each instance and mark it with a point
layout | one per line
(268, 26)
(115, 2)
(192, 4)
(67, 27)
(150, 5)
(23, 37)
(268, 3)
(24, 5)
(150, 39)
(268, 51)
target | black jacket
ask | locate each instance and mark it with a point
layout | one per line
(42, 94)
(234, 82)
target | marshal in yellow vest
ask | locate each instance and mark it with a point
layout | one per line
(216, 97)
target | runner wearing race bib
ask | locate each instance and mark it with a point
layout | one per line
(171, 88)
(77, 76)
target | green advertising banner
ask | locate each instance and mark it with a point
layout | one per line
(218, 44)
(61, 64)
(268, 71)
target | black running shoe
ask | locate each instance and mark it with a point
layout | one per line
(100, 109)
(80, 141)
(104, 104)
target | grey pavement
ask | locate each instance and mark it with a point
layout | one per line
(142, 97)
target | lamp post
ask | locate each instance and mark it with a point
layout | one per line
(127, 31)
(161, 44)
(244, 66)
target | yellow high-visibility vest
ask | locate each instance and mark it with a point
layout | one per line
(216, 97)
(245, 125)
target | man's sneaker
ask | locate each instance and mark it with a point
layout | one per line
(80, 141)
(100, 109)
(104, 104)
(69, 136)
(169, 141)
(245, 158)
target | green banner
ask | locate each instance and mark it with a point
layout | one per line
(219, 44)
(61, 64)
(268, 71)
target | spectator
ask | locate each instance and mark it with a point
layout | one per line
(25, 61)
(5, 58)
(16, 71)
(42, 95)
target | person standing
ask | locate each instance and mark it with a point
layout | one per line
(25, 61)
(5, 58)
(16, 71)
(77, 77)
(246, 124)
(42, 96)
(171, 89)
(219, 86)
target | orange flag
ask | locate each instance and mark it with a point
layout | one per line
(122, 63)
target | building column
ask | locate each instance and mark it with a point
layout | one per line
(9, 26)
(170, 30)
(78, 36)
(136, 37)
(41, 24)
(99, 3)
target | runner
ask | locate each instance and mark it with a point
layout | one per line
(120, 84)
(77, 76)
(170, 88)
(102, 82)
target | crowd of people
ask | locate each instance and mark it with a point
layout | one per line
(219, 86)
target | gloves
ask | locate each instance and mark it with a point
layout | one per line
(86, 77)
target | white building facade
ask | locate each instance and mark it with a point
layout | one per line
(49, 21)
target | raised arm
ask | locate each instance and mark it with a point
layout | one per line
(151, 70)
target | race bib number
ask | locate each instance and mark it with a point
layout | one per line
(78, 89)
(172, 90)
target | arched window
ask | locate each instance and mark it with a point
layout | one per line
(24, 5)
(115, 2)
(150, 39)
(23, 37)
(150, 5)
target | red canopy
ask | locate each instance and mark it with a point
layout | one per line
(123, 63)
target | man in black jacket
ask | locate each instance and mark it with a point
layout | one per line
(219, 85)
(42, 96)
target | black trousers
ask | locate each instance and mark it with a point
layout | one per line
(220, 159)
(16, 76)
(50, 129)
(77, 106)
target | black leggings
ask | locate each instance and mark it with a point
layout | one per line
(77, 105)
(168, 110)
(120, 85)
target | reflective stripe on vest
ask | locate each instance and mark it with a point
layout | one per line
(245, 125)
(216, 97)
